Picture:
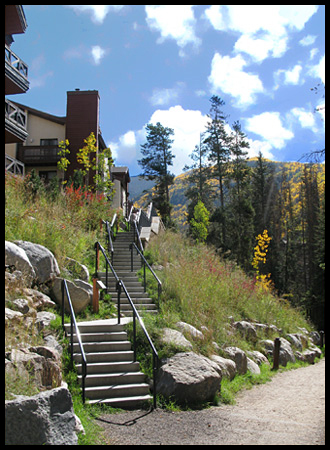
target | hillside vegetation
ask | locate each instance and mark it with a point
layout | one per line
(205, 291)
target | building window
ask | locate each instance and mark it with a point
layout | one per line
(49, 141)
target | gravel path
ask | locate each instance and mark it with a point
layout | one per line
(289, 410)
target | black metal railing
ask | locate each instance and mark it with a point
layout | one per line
(145, 264)
(120, 286)
(136, 315)
(73, 323)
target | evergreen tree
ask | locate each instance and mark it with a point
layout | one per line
(198, 180)
(157, 157)
(240, 213)
(263, 190)
(217, 142)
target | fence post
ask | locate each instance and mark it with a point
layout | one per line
(118, 300)
(276, 354)
(95, 296)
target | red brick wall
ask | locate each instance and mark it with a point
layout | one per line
(82, 117)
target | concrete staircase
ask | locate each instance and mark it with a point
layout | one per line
(122, 266)
(112, 376)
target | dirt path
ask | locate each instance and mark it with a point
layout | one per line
(289, 410)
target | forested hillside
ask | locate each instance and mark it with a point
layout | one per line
(285, 198)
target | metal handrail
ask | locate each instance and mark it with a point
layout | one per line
(109, 239)
(121, 286)
(136, 232)
(73, 322)
(154, 351)
(145, 263)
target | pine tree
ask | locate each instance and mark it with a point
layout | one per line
(198, 180)
(217, 142)
(155, 164)
(239, 211)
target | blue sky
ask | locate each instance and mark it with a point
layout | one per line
(163, 63)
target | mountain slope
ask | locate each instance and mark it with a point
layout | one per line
(294, 171)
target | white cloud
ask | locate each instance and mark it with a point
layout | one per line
(173, 22)
(318, 70)
(227, 75)
(161, 97)
(187, 125)
(97, 53)
(269, 126)
(290, 76)
(98, 12)
(257, 146)
(305, 118)
(307, 40)
(264, 29)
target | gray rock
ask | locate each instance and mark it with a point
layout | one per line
(258, 357)
(21, 305)
(294, 340)
(237, 355)
(43, 319)
(253, 367)
(79, 296)
(13, 316)
(44, 419)
(190, 330)
(76, 269)
(42, 260)
(316, 337)
(227, 366)
(247, 330)
(286, 353)
(16, 256)
(175, 338)
(189, 378)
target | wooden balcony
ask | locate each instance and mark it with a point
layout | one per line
(39, 155)
(15, 123)
(16, 73)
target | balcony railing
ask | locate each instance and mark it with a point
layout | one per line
(15, 123)
(38, 155)
(16, 71)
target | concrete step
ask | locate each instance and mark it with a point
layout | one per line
(113, 379)
(106, 357)
(107, 392)
(124, 402)
(112, 376)
(110, 367)
(109, 346)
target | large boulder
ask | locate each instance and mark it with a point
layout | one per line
(44, 419)
(227, 366)
(175, 338)
(42, 260)
(237, 355)
(80, 297)
(189, 378)
(17, 257)
(189, 330)
(246, 329)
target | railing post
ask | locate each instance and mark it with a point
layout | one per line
(154, 369)
(95, 296)
(71, 340)
(62, 303)
(144, 276)
(118, 300)
(131, 247)
(97, 257)
(134, 335)
(276, 354)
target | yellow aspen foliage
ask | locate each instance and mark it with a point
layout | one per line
(260, 257)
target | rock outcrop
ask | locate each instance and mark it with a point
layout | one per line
(189, 378)
(44, 419)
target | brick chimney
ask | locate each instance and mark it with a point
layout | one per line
(82, 117)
